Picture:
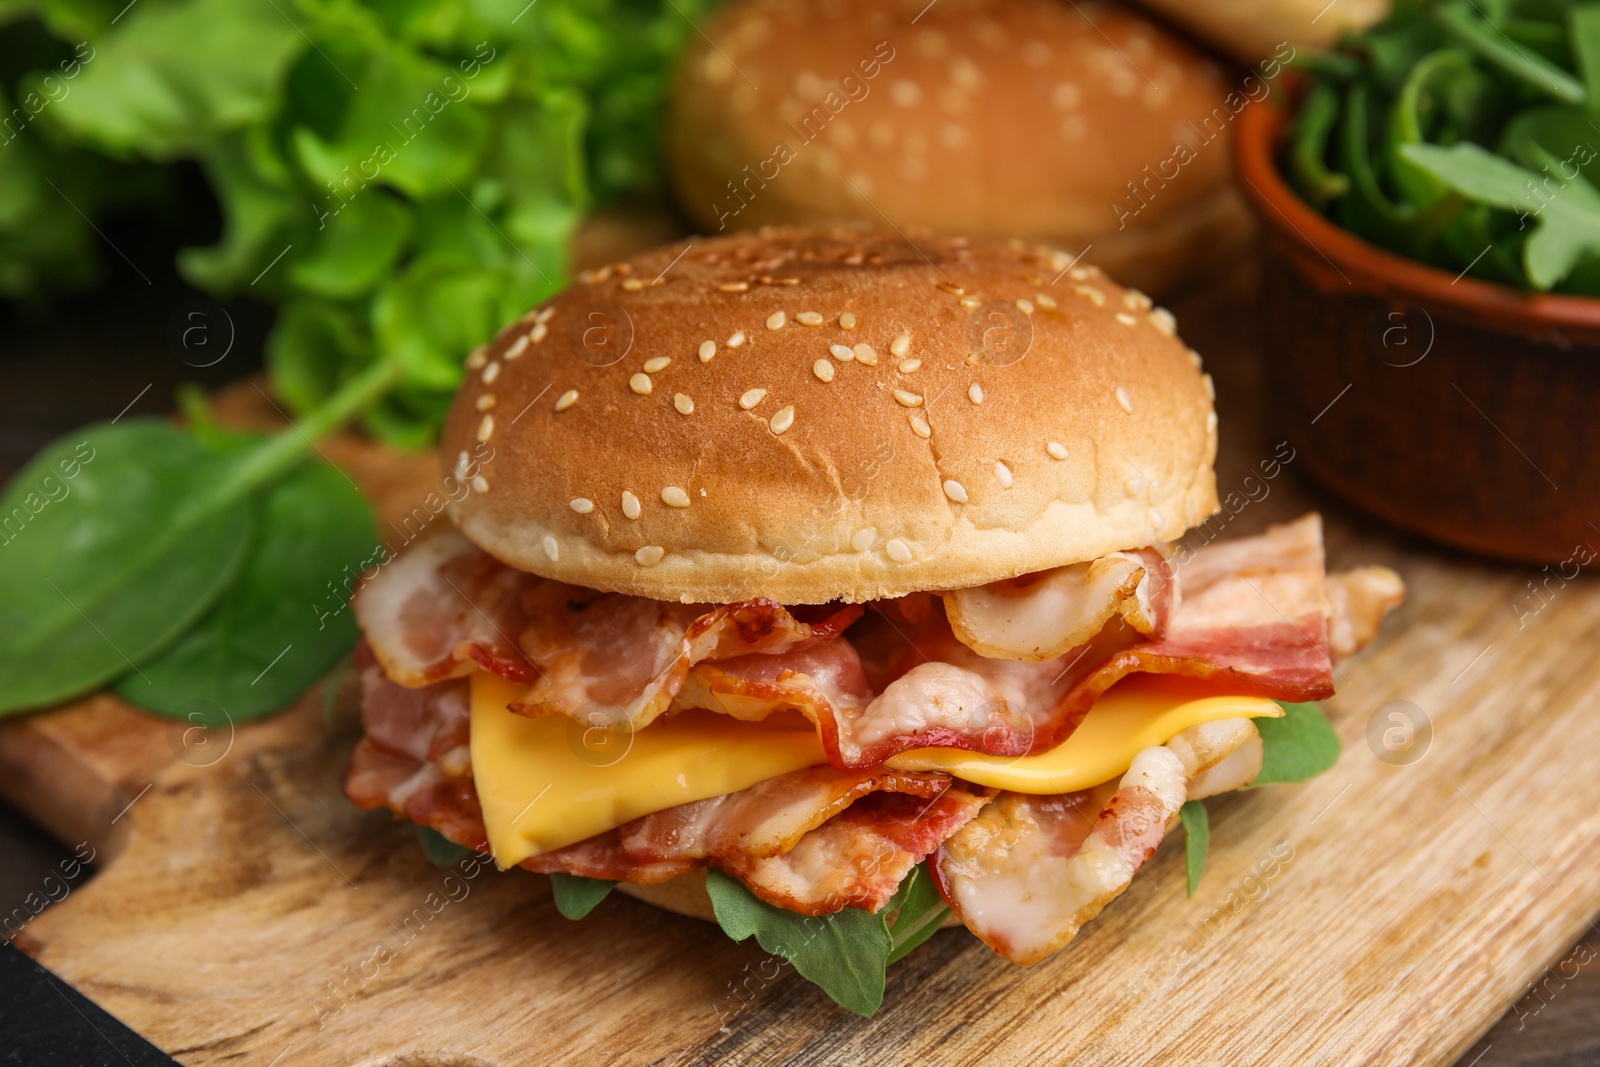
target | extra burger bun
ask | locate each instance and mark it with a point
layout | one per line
(686, 895)
(999, 118)
(1257, 30)
(1000, 412)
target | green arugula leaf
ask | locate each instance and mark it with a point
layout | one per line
(114, 543)
(576, 896)
(1567, 218)
(282, 622)
(919, 912)
(1196, 839)
(844, 953)
(1299, 746)
(440, 850)
(1585, 24)
(1462, 22)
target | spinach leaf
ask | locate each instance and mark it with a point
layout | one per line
(921, 912)
(575, 895)
(1196, 839)
(282, 623)
(440, 850)
(115, 541)
(1299, 746)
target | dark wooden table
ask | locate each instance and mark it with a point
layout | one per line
(109, 352)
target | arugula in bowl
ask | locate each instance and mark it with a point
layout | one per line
(1465, 134)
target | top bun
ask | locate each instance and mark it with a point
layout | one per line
(815, 416)
(1065, 123)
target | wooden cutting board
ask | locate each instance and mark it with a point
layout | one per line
(245, 912)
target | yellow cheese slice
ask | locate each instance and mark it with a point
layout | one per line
(1138, 712)
(550, 781)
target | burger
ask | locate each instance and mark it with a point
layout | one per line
(1079, 125)
(825, 585)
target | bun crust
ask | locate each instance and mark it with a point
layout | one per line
(686, 895)
(1000, 118)
(1000, 412)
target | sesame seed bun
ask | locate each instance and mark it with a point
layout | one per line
(815, 416)
(1002, 118)
(686, 895)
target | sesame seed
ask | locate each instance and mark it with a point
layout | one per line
(1044, 300)
(864, 538)
(485, 427)
(808, 318)
(1122, 398)
(484, 402)
(1126, 319)
(649, 555)
(1157, 519)
(866, 354)
(1056, 449)
(632, 285)
(1078, 274)
(900, 345)
(751, 398)
(641, 384)
(1211, 386)
(1164, 320)
(1002, 474)
(736, 340)
(975, 393)
(461, 463)
(581, 504)
(1025, 306)
(847, 321)
(707, 350)
(674, 497)
(789, 280)
(1093, 295)
(630, 505)
(519, 346)
(657, 363)
(566, 400)
(823, 370)
(1136, 300)
(969, 301)
(683, 403)
(952, 289)
(898, 550)
(544, 316)
(491, 372)
(775, 320)
(480, 483)
(1211, 422)
(782, 419)
(955, 490)
(907, 399)
(909, 365)
(540, 331)
(1194, 357)
(478, 358)
(920, 427)
(734, 287)
(1134, 484)
(842, 353)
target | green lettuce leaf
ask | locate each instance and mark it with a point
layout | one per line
(576, 896)
(1196, 840)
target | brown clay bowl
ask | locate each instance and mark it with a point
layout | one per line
(1458, 409)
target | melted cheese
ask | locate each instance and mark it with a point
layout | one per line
(1137, 713)
(548, 782)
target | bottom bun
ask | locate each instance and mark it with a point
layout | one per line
(686, 895)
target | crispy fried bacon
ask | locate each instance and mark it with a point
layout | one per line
(1255, 614)
(1029, 871)
(1045, 615)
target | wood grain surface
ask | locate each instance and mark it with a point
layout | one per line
(1379, 914)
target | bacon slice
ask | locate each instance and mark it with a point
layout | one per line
(1029, 871)
(1045, 615)
(1358, 600)
(442, 606)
